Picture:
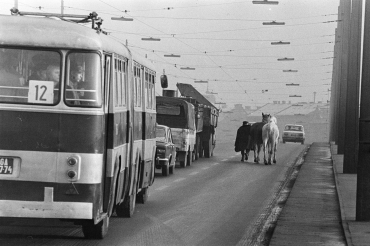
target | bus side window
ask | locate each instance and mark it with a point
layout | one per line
(153, 91)
(107, 69)
(124, 82)
(115, 88)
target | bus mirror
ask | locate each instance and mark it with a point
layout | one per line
(164, 81)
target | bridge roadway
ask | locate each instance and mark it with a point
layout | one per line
(216, 201)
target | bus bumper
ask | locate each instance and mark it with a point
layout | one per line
(46, 209)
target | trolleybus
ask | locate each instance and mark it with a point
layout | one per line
(77, 122)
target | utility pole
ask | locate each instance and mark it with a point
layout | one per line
(363, 167)
(314, 97)
(350, 158)
(62, 7)
(16, 4)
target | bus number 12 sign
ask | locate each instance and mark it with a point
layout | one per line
(41, 92)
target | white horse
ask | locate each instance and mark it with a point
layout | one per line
(270, 138)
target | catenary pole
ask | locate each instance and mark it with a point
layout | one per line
(350, 158)
(339, 74)
(334, 85)
(346, 11)
(363, 167)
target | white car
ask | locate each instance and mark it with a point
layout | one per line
(294, 133)
(166, 150)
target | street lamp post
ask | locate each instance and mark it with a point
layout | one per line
(279, 43)
(285, 59)
(172, 55)
(266, 2)
(273, 23)
(121, 19)
(151, 39)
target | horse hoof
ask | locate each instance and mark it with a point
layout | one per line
(274, 161)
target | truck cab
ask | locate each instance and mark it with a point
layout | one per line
(180, 116)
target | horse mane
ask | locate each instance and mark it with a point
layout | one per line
(273, 119)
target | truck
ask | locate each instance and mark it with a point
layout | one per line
(179, 115)
(207, 120)
(193, 120)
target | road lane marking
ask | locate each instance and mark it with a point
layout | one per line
(205, 168)
(193, 173)
(215, 163)
(224, 159)
(178, 180)
(162, 187)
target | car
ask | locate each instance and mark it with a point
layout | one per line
(166, 150)
(294, 133)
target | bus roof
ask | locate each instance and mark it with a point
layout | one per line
(44, 32)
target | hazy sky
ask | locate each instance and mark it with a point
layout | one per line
(225, 41)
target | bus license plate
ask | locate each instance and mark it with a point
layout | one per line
(6, 165)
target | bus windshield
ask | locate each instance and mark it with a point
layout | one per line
(34, 77)
(29, 76)
(83, 86)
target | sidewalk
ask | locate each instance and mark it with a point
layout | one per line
(356, 233)
(320, 209)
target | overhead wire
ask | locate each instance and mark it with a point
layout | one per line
(209, 55)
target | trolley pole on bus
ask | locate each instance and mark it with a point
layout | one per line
(363, 168)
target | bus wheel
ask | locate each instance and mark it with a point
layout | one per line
(127, 207)
(97, 231)
(189, 157)
(143, 195)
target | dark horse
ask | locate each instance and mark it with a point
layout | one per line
(256, 136)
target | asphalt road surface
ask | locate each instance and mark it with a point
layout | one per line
(215, 201)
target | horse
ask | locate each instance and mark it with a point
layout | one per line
(270, 138)
(256, 136)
